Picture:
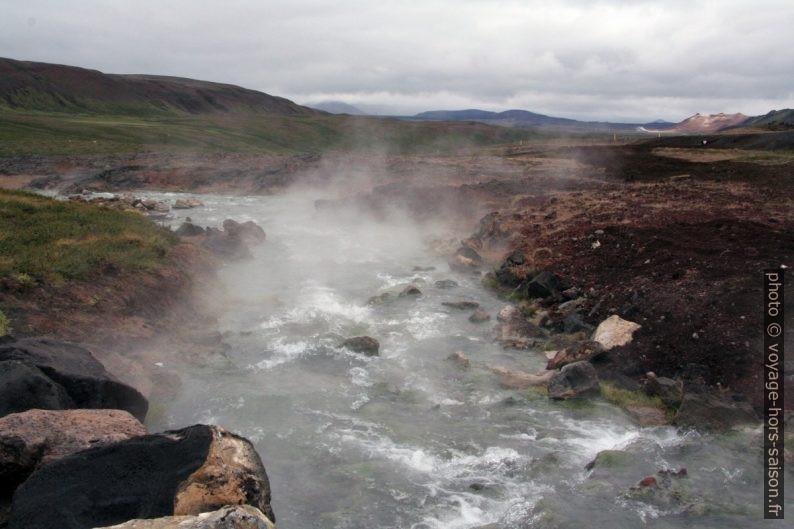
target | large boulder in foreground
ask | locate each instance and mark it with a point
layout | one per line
(35, 438)
(82, 377)
(232, 517)
(614, 331)
(574, 380)
(183, 472)
(23, 387)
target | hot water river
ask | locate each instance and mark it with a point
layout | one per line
(410, 439)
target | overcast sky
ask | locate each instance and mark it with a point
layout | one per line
(628, 60)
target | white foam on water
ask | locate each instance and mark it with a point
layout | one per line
(283, 351)
(420, 325)
(360, 377)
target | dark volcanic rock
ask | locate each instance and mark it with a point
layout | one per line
(706, 408)
(23, 387)
(380, 299)
(479, 316)
(575, 353)
(574, 380)
(188, 229)
(544, 284)
(574, 322)
(410, 291)
(465, 258)
(248, 230)
(362, 344)
(670, 391)
(196, 469)
(82, 376)
(515, 258)
(461, 305)
(226, 246)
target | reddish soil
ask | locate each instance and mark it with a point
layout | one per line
(680, 249)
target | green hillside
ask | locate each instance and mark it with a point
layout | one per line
(54, 109)
(774, 120)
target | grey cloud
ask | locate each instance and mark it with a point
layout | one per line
(591, 60)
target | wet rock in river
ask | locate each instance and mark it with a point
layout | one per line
(586, 350)
(465, 258)
(34, 438)
(187, 203)
(646, 415)
(410, 291)
(670, 490)
(248, 231)
(225, 245)
(479, 316)
(380, 299)
(446, 284)
(362, 344)
(515, 331)
(461, 305)
(183, 472)
(703, 407)
(670, 391)
(459, 358)
(84, 379)
(231, 517)
(188, 229)
(574, 380)
(507, 313)
(521, 380)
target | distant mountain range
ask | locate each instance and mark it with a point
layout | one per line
(338, 107)
(41, 87)
(527, 119)
(697, 124)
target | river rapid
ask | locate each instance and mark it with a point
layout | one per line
(410, 439)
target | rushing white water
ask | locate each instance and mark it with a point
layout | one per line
(408, 438)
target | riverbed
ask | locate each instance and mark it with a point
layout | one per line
(409, 438)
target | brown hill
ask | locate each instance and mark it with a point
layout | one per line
(50, 87)
(708, 122)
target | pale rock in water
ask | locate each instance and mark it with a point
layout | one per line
(614, 331)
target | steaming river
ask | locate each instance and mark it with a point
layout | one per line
(410, 439)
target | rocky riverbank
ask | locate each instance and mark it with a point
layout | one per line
(680, 257)
(74, 451)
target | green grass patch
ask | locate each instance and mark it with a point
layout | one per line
(5, 325)
(624, 397)
(73, 133)
(43, 239)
